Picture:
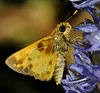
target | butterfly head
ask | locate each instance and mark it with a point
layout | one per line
(64, 29)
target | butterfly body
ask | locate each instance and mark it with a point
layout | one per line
(45, 57)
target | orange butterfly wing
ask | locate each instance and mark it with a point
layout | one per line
(37, 59)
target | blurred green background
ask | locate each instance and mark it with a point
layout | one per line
(21, 23)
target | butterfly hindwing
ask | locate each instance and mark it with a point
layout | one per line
(38, 59)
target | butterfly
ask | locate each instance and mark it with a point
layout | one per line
(44, 58)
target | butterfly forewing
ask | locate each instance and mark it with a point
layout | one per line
(38, 59)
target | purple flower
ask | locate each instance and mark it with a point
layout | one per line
(88, 5)
(75, 0)
(85, 3)
(91, 34)
(87, 76)
(71, 87)
(83, 75)
(94, 13)
(91, 30)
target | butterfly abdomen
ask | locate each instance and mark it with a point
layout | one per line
(59, 68)
(61, 46)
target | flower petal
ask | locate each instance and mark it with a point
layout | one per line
(88, 21)
(87, 28)
(91, 11)
(86, 3)
(80, 69)
(77, 59)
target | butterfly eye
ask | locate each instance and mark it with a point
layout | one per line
(62, 28)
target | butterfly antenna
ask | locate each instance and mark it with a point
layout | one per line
(72, 15)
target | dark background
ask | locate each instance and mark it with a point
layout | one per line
(10, 42)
